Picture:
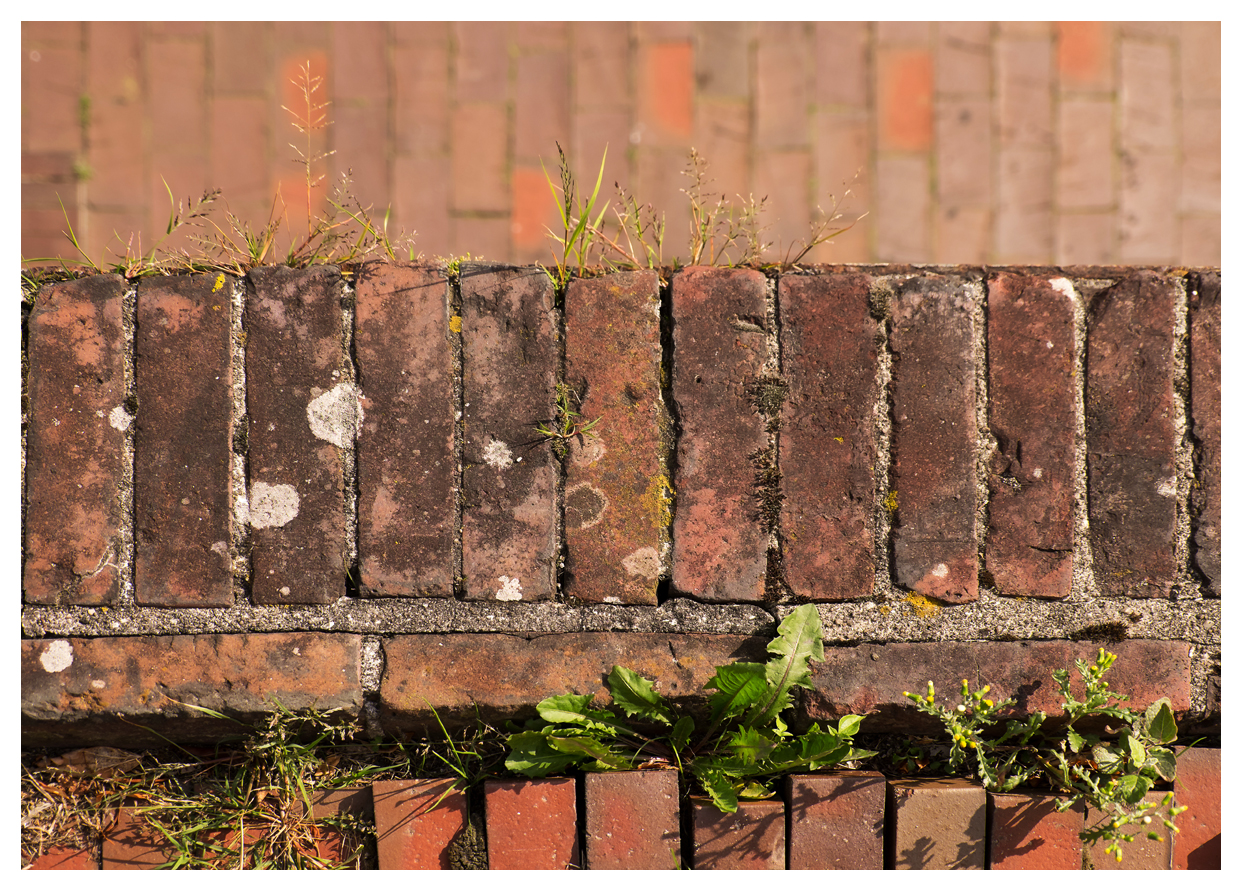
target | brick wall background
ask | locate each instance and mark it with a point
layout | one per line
(975, 142)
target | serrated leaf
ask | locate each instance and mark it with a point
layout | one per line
(739, 686)
(749, 745)
(1160, 725)
(681, 733)
(636, 696)
(583, 747)
(1076, 742)
(531, 755)
(799, 639)
(1132, 787)
(572, 709)
(720, 789)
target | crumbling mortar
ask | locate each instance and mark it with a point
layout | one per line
(985, 442)
(349, 454)
(1187, 586)
(879, 301)
(457, 350)
(125, 555)
(559, 455)
(239, 507)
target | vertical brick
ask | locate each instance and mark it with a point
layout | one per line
(828, 454)
(632, 820)
(964, 151)
(783, 78)
(509, 353)
(1205, 416)
(1149, 182)
(1200, 174)
(836, 820)
(183, 442)
(1031, 403)
(934, 545)
(51, 86)
(1085, 55)
(722, 135)
(132, 844)
(723, 62)
(753, 837)
(407, 467)
(902, 209)
(1198, 785)
(963, 57)
(841, 162)
(420, 99)
(114, 81)
(74, 461)
(178, 77)
(842, 63)
(904, 82)
(1131, 472)
(1199, 240)
(936, 824)
(1024, 169)
(1147, 95)
(1086, 238)
(416, 821)
(1200, 61)
(479, 158)
(241, 56)
(1024, 206)
(1142, 853)
(534, 214)
(482, 61)
(720, 549)
(665, 112)
(616, 495)
(1026, 832)
(1085, 154)
(660, 179)
(963, 235)
(541, 108)
(601, 65)
(422, 196)
(332, 844)
(532, 824)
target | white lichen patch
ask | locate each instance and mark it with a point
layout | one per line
(120, 418)
(497, 455)
(57, 657)
(272, 506)
(940, 570)
(336, 416)
(644, 562)
(510, 589)
(1167, 488)
(1065, 286)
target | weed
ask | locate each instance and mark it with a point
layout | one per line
(578, 232)
(567, 424)
(720, 228)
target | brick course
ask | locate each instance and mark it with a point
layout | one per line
(836, 821)
(632, 820)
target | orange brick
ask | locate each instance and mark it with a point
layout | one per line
(534, 210)
(416, 821)
(666, 98)
(904, 99)
(532, 824)
(1084, 54)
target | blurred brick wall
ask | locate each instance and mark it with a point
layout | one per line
(1028, 143)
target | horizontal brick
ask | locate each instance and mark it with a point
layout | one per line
(1205, 367)
(1198, 788)
(416, 822)
(59, 857)
(107, 689)
(407, 466)
(532, 824)
(1026, 832)
(632, 820)
(937, 824)
(753, 837)
(836, 820)
(74, 443)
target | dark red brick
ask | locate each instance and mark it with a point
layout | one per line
(828, 453)
(1198, 785)
(334, 845)
(1032, 398)
(183, 442)
(66, 858)
(132, 844)
(616, 495)
(1026, 832)
(753, 837)
(1205, 424)
(934, 433)
(416, 821)
(532, 824)
(1143, 852)
(719, 545)
(509, 354)
(303, 415)
(1131, 472)
(836, 820)
(74, 442)
(632, 820)
(936, 824)
(407, 469)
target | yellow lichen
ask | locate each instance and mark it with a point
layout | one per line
(921, 606)
(890, 502)
(455, 324)
(657, 501)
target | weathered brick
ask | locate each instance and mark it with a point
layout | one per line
(74, 442)
(753, 837)
(60, 857)
(332, 844)
(1198, 786)
(827, 448)
(406, 463)
(632, 820)
(303, 414)
(963, 57)
(934, 545)
(720, 548)
(1024, 91)
(505, 675)
(1142, 853)
(616, 496)
(95, 690)
(964, 151)
(532, 824)
(1149, 188)
(1031, 396)
(1205, 422)
(1131, 473)
(937, 824)
(509, 354)
(836, 820)
(1026, 832)
(132, 844)
(416, 821)
(183, 442)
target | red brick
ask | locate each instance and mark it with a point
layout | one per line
(934, 545)
(904, 86)
(753, 837)
(541, 109)
(1198, 785)
(331, 843)
(51, 87)
(532, 824)
(132, 844)
(407, 467)
(598, 137)
(841, 64)
(422, 192)
(239, 52)
(535, 214)
(616, 494)
(542, 35)
(358, 59)
(836, 820)
(827, 451)
(1200, 57)
(783, 176)
(114, 83)
(1026, 832)
(722, 136)
(783, 77)
(1131, 470)
(421, 34)
(1205, 337)
(482, 61)
(416, 821)
(1085, 154)
(1024, 91)
(509, 352)
(902, 209)
(665, 113)
(601, 65)
(66, 858)
(720, 549)
(963, 57)
(239, 155)
(1148, 95)
(183, 443)
(937, 824)
(300, 405)
(632, 820)
(74, 460)
(723, 61)
(361, 143)
(1143, 852)
(420, 100)
(1085, 55)
(479, 140)
(841, 162)
(177, 73)
(902, 33)
(964, 151)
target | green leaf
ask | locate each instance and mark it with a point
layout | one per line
(1132, 787)
(739, 686)
(1138, 753)
(749, 745)
(721, 790)
(681, 733)
(849, 725)
(572, 709)
(636, 696)
(755, 792)
(799, 639)
(1159, 724)
(1164, 762)
(583, 747)
(1107, 757)
(1076, 742)
(532, 755)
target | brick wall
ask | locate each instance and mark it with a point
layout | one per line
(328, 489)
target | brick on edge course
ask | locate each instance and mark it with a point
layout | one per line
(632, 820)
(753, 837)
(66, 858)
(509, 382)
(936, 824)
(836, 820)
(416, 821)
(405, 451)
(828, 454)
(183, 442)
(302, 416)
(933, 387)
(131, 844)
(1205, 420)
(720, 549)
(532, 824)
(1198, 785)
(1131, 461)
(1031, 405)
(1143, 852)
(354, 801)
(74, 442)
(1026, 832)
(615, 491)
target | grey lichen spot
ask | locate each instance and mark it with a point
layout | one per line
(585, 506)
(497, 454)
(57, 657)
(645, 562)
(120, 418)
(510, 588)
(336, 416)
(272, 506)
